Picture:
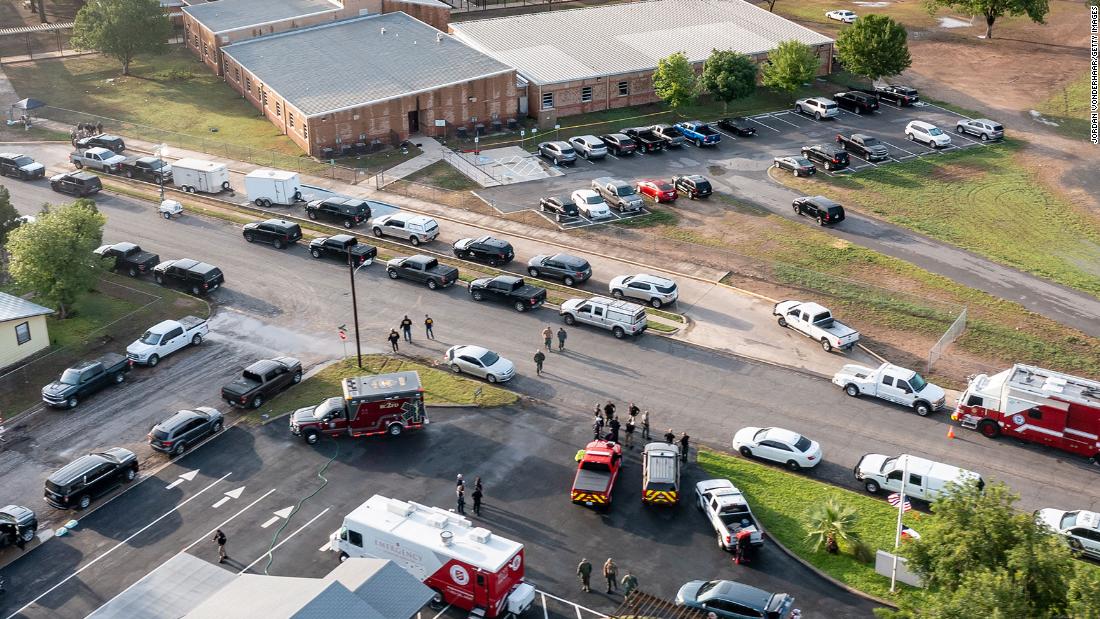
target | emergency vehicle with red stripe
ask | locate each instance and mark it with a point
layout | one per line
(467, 566)
(1035, 405)
(598, 467)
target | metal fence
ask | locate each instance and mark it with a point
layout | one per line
(38, 41)
(953, 333)
(236, 152)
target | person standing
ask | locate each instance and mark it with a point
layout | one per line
(460, 482)
(219, 539)
(684, 447)
(610, 572)
(633, 411)
(609, 410)
(629, 433)
(561, 338)
(477, 497)
(539, 358)
(599, 411)
(393, 338)
(428, 322)
(547, 337)
(613, 425)
(584, 570)
(407, 328)
(645, 426)
(670, 437)
(597, 427)
(461, 496)
(630, 583)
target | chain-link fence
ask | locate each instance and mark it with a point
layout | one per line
(459, 199)
(953, 333)
(38, 41)
(236, 152)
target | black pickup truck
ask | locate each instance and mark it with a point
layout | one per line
(508, 289)
(646, 138)
(260, 381)
(421, 268)
(149, 169)
(865, 146)
(84, 379)
(338, 246)
(129, 258)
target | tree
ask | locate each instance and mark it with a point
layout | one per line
(830, 522)
(992, 9)
(122, 29)
(874, 46)
(728, 76)
(789, 66)
(53, 255)
(9, 217)
(979, 557)
(674, 80)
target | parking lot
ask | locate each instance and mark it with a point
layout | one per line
(779, 133)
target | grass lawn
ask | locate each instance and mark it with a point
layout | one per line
(976, 199)
(1069, 107)
(443, 175)
(441, 386)
(779, 500)
(173, 92)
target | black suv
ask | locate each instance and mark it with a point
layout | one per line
(485, 249)
(693, 186)
(560, 207)
(90, 477)
(824, 210)
(192, 275)
(17, 525)
(858, 102)
(278, 232)
(173, 435)
(20, 166)
(348, 212)
(103, 140)
(829, 156)
(78, 184)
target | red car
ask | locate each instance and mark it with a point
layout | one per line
(660, 191)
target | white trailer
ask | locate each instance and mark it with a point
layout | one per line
(267, 187)
(193, 175)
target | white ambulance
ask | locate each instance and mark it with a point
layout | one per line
(467, 566)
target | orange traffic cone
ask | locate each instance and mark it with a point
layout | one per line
(950, 432)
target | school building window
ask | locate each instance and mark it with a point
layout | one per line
(196, 41)
(205, 49)
(23, 333)
(278, 109)
(263, 96)
(237, 73)
(547, 100)
(305, 130)
(290, 118)
(624, 89)
(248, 84)
(586, 94)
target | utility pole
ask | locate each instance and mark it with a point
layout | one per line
(159, 152)
(355, 311)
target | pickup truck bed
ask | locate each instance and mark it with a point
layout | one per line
(592, 481)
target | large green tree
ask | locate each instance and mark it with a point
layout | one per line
(980, 557)
(790, 65)
(122, 29)
(992, 9)
(874, 46)
(674, 80)
(53, 255)
(728, 76)
(9, 217)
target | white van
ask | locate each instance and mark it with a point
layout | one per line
(267, 187)
(193, 175)
(927, 479)
(621, 317)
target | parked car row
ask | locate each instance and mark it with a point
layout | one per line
(607, 193)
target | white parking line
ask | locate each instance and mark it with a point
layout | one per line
(288, 538)
(947, 110)
(117, 546)
(725, 134)
(210, 533)
(445, 608)
(899, 148)
(775, 117)
(573, 604)
(969, 139)
(613, 156)
(763, 125)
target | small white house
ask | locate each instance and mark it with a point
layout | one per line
(22, 329)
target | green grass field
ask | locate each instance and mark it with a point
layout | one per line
(982, 200)
(443, 175)
(1069, 107)
(780, 499)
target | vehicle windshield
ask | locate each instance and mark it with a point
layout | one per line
(489, 358)
(625, 190)
(593, 200)
(760, 434)
(918, 383)
(707, 586)
(156, 164)
(665, 289)
(802, 161)
(664, 186)
(935, 131)
(70, 377)
(150, 338)
(1069, 520)
(802, 444)
(871, 142)
(22, 161)
(888, 464)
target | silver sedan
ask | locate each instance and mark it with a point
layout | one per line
(480, 362)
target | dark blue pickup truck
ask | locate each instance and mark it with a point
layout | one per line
(699, 133)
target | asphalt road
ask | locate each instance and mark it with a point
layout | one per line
(739, 166)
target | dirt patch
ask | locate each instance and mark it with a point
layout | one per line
(955, 173)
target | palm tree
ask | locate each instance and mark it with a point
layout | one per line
(830, 522)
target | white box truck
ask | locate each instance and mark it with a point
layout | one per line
(267, 187)
(193, 175)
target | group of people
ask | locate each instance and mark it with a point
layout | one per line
(84, 130)
(406, 331)
(606, 426)
(460, 495)
(548, 343)
(610, 573)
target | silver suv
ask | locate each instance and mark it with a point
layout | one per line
(561, 153)
(818, 107)
(589, 146)
(981, 127)
(656, 291)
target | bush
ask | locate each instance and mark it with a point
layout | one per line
(863, 552)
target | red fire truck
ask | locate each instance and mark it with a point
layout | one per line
(386, 403)
(597, 469)
(466, 566)
(1035, 405)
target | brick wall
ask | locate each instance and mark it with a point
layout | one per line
(438, 17)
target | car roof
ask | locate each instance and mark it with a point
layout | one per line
(652, 279)
(864, 136)
(511, 279)
(783, 435)
(76, 468)
(569, 259)
(585, 192)
(488, 240)
(84, 176)
(124, 246)
(341, 238)
(477, 351)
(179, 418)
(587, 138)
(921, 123)
(279, 222)
(11, 155)
(739, 592)
(263, 365)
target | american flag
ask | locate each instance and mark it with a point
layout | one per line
(896, 498)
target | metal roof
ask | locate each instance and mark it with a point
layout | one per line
(226, 15)
(283, 597)
(388, 589)
(379, 57)
(15, 308)
(168, 592)
(562, 46)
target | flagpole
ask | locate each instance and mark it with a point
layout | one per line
(897, 532)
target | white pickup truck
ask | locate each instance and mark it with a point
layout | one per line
(817, 323)
(165, 338)
(728, 512)
(893, 383)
